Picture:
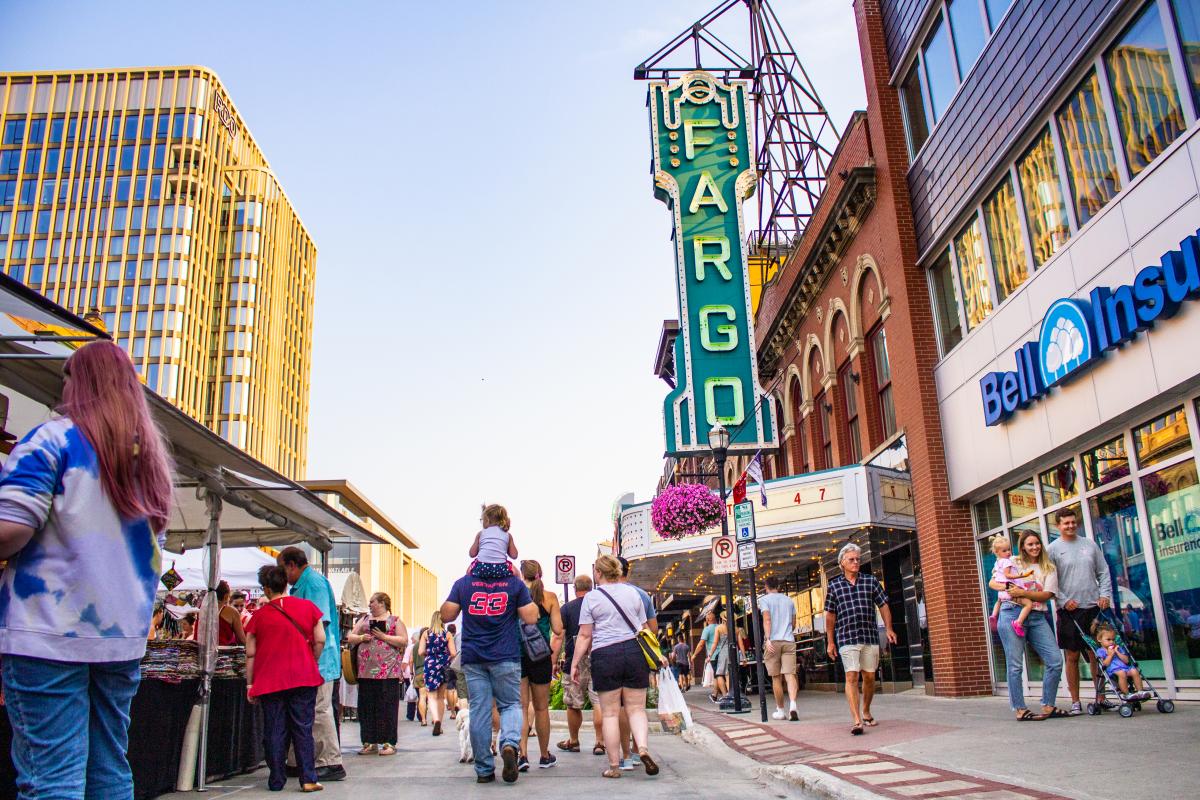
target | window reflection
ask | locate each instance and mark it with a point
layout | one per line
(1187, 18)
(1091, 166)
(1107, 463)
(914, 111)
(1020, 500)
(973, 274)
(940, 75)
(1040, 190)
(968, 32)
(1058, 484)
(1173, 509)
(987, 514)
(1143, 87)
(945, 302)
(1159, 439)
(1005, 240)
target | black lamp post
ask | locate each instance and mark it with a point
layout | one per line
(718, 440)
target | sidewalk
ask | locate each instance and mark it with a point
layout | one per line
(929, 747)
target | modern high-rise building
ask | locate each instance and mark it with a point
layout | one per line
(141, 195)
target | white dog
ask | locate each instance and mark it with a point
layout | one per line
(463, 723)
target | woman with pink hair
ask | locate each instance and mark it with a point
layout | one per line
(84, 503)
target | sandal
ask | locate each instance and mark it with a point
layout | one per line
(611, 772)
(367, 750)
(598, 750)
(568, 746)
(857, 730)
(1028, 716)
(870, 721)
(1054, 713)
(387, 750)
(648, 762)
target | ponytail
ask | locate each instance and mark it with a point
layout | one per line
(531, 572)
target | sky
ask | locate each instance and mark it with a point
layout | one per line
(493, 269)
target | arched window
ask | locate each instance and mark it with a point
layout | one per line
(799, 451)
(883, 380)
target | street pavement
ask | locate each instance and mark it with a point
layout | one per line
(929, 747)
(428, 767)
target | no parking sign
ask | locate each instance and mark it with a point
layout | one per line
(564, 569)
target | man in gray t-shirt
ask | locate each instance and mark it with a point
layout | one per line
(1084, 589)
(779, 623)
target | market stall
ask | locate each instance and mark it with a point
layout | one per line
(190, 721)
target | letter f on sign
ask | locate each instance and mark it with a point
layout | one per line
(691, 140)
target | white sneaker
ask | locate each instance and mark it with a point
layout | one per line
(779, 714)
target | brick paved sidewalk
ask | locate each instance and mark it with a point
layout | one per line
(883, 775)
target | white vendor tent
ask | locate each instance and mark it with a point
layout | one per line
(239, 567)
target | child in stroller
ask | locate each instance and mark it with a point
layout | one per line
(1117, 669)
(1116, 661)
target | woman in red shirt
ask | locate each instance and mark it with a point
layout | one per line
(284, 639)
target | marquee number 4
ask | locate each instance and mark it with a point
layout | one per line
(798, 501)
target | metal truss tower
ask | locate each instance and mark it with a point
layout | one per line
(794, 137)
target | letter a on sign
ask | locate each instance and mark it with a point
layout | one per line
(703, 170)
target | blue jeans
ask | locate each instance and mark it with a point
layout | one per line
(1039, 633)
(499, 681)
(50, 704)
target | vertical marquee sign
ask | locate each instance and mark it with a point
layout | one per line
(703, 172)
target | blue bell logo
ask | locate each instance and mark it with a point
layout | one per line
(1066, 342)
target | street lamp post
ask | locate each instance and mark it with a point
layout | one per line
(718, 440)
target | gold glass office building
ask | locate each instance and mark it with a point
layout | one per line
(140, 194)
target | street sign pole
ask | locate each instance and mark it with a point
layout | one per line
(564, 570)
(756, 622)
(735, 673)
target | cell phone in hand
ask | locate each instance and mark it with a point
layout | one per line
(379, 625)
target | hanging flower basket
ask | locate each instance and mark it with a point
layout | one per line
(687, 509)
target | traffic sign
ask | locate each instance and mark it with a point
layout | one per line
(747, 555)
(564, 568)
(724, 555)
(743, 522)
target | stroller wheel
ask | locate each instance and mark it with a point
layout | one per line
(1126, 711)
(1165, 706)
(1094, 709)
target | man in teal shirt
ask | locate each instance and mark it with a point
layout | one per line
(311, 585)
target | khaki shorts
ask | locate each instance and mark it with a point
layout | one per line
(574, 693)
(859, 657)
(783, 662)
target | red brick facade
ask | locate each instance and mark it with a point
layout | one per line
(853, 275)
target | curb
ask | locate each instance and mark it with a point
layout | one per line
(794, 777)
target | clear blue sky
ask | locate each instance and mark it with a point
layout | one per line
(493, 268)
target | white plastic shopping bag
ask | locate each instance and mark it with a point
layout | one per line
(411, 695)
(672, 708)
(709, 677)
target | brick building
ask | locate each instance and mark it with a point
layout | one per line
(848, 347)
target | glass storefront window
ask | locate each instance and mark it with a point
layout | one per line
(1115, 527)
(1173, 509)
(1087, 147)
(987, 561)
(1005, 240)
(1052, 526)
(914, 111)
(945, 303)
(1159, 439)
(1020, 500)
(996, 9)
(1107, 463)
(973, 274)
(1187, 21)
(940, 75)
(1058, 484)
(987, 514)
(1143, 86)
(1041, 194)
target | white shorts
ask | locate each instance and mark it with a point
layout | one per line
(859, 657)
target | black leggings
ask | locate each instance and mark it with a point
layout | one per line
(378, 710)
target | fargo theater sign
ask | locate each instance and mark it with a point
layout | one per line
(703, 171)
(1076, 333)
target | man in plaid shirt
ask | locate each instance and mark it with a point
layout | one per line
(850, 630)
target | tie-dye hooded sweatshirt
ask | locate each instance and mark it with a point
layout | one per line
(83, 588)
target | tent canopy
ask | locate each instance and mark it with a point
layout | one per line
(239, 567)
